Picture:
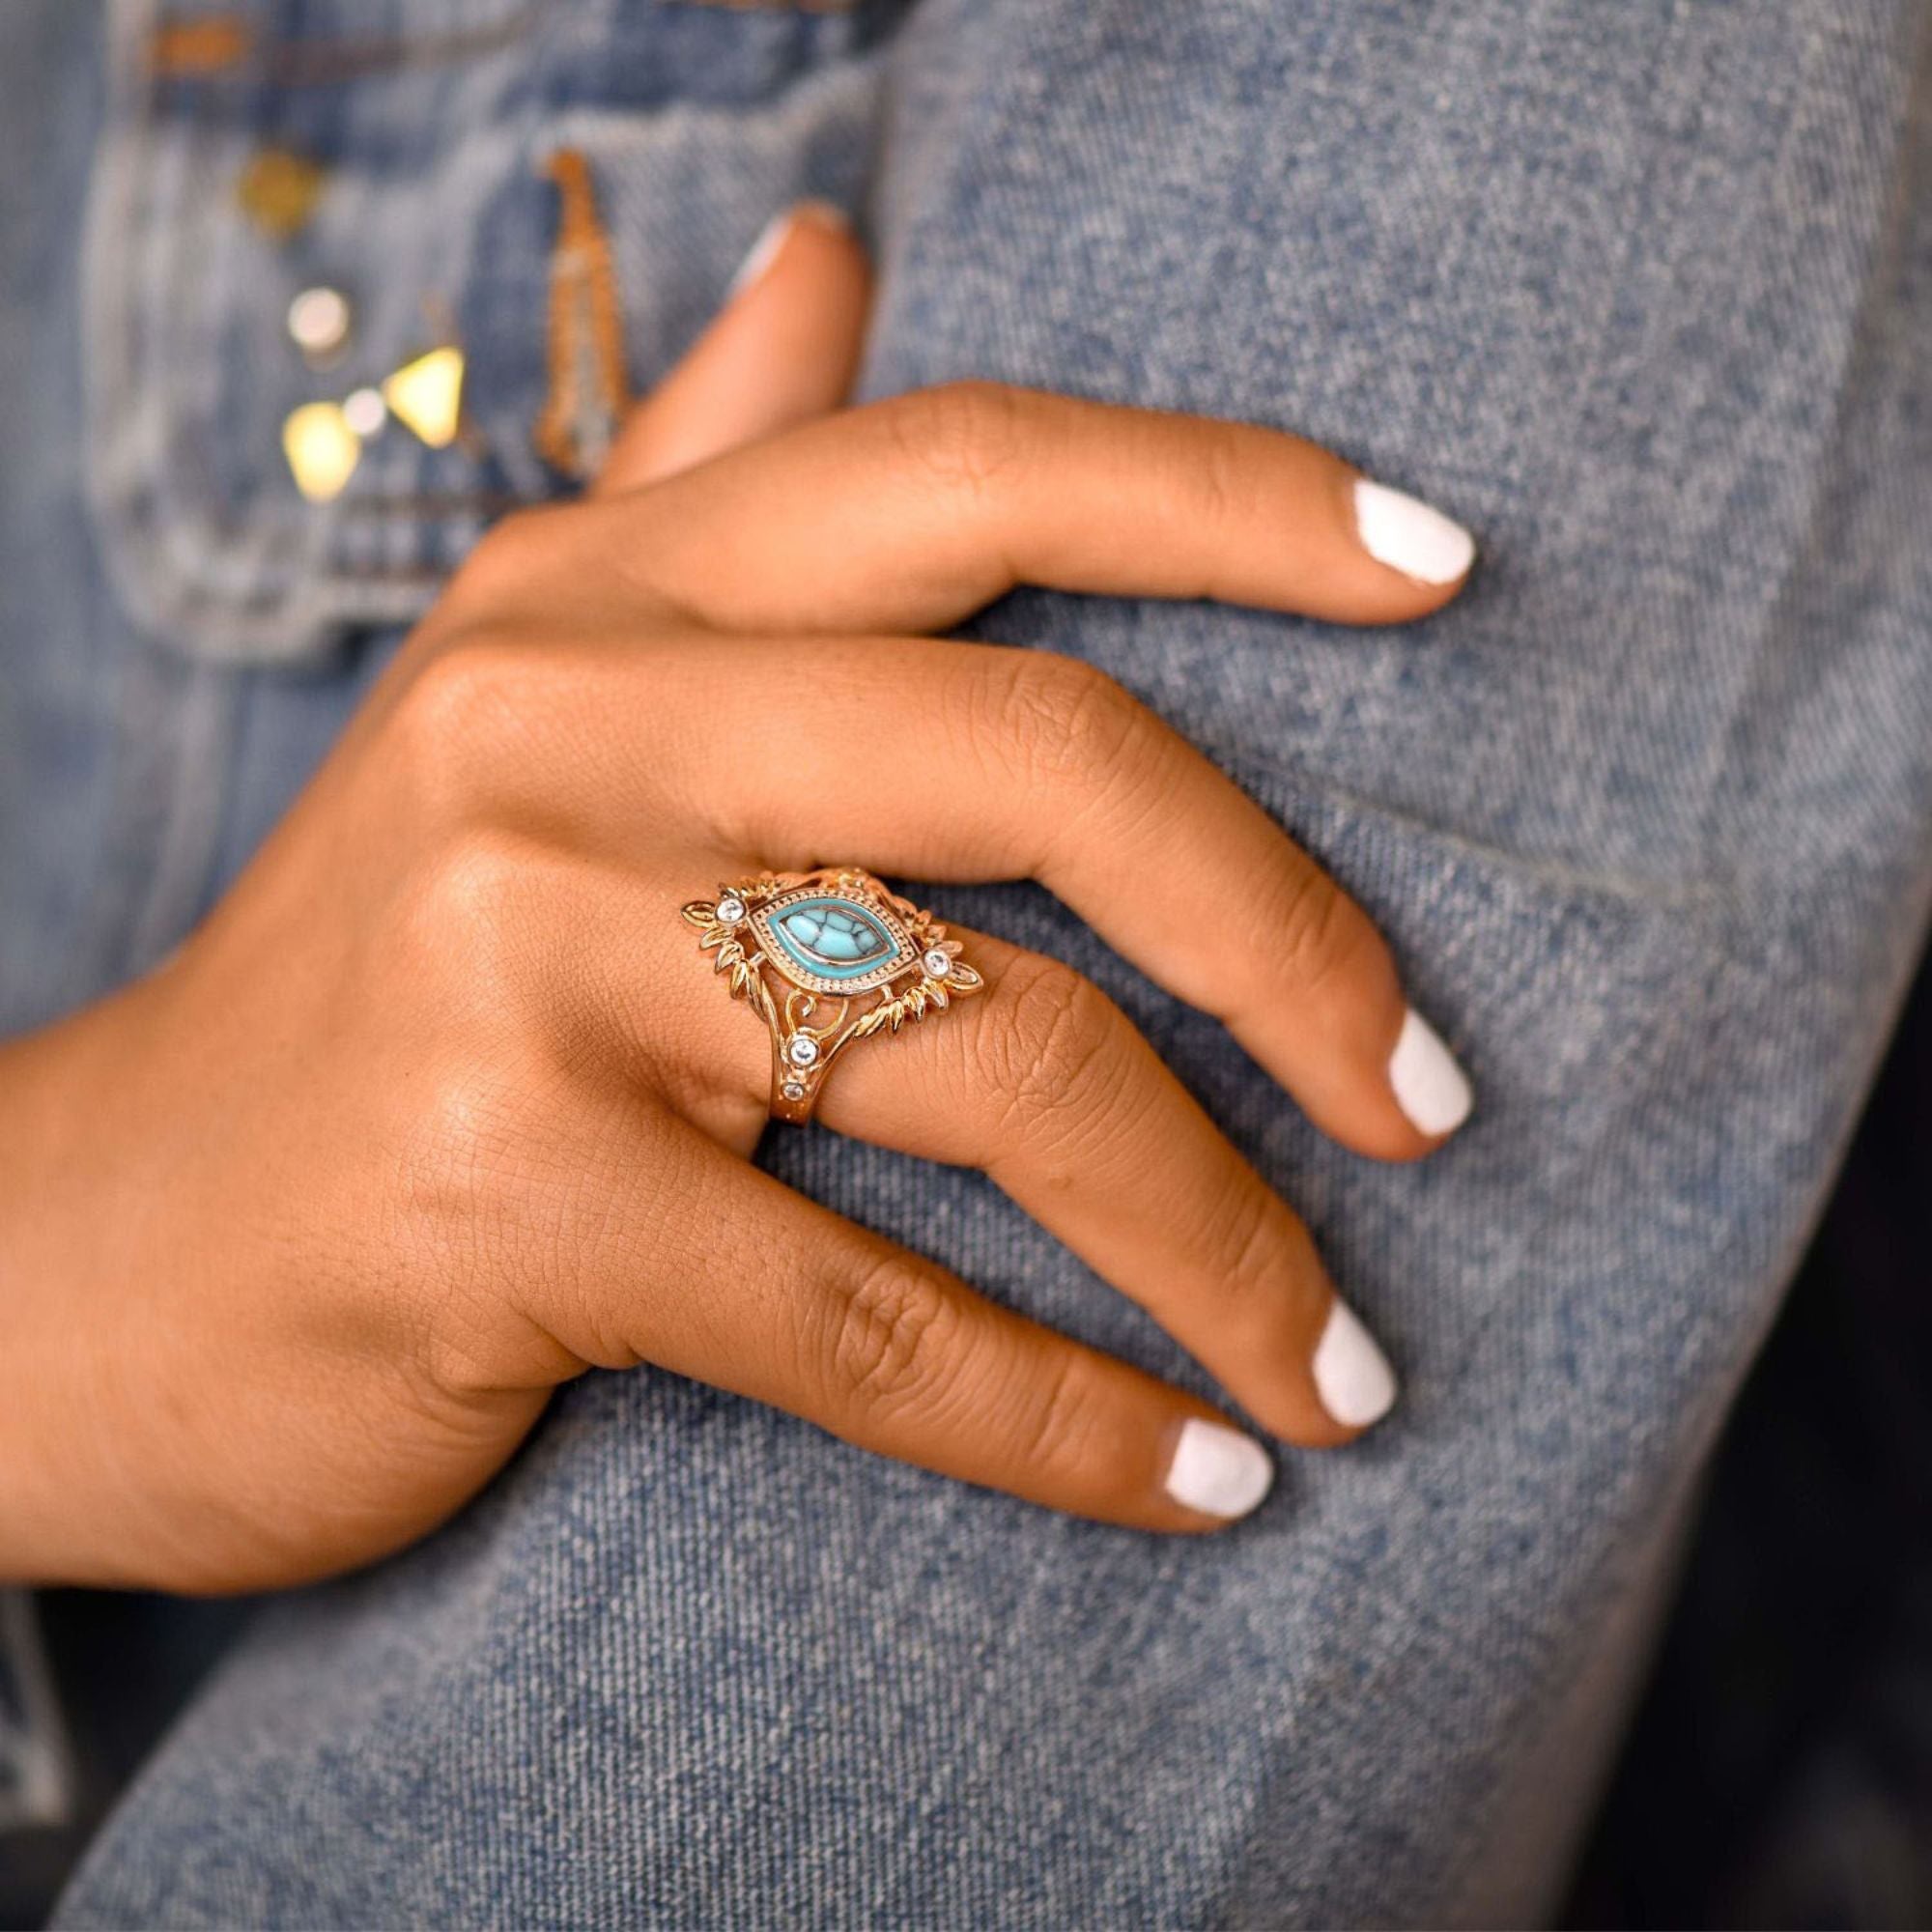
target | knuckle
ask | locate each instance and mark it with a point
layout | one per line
(1059, 1034)
(1245, 1242)
(466, 1162)
(465, 1131)
(472, 909)
(1226, 481)
(890, 1336)
(963, 435)
(474, 881)
(1059, 1421)
(448, 725)
(506, 559)
(1072, 721)
(1315, 930)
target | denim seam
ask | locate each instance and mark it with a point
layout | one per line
(1612, 887)
(323, 62)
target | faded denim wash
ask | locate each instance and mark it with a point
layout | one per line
(1643, 294)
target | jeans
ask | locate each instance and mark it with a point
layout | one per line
(1641, 293)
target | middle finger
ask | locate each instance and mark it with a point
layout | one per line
(941, 760)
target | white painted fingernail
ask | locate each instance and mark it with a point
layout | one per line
(1351, 1375)
(1218, 1470)
(1430, 1088)
(1410, 536)
(764, 250)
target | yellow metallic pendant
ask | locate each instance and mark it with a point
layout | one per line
(322, 449)
(278, 192)
(426, 396)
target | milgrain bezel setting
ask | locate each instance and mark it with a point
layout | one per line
(743, 929)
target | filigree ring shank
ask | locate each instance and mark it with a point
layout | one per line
(799, 945)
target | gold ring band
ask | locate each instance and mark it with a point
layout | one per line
(793, 943)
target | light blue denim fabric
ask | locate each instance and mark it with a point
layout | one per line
(1644, 295)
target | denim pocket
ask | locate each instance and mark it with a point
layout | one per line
(417, 136)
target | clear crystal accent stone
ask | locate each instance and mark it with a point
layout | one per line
(793, 1089)
(801, 1051)
(730, 911)
(937, 964)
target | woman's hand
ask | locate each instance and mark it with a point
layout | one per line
(442, 1106)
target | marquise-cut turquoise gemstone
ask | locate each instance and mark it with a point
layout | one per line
(834, 938)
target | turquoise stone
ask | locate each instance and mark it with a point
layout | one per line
(834, 938)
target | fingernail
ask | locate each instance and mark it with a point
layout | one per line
(1218, 1470)
(1430, 1088)
(1409, 536)
(1351, 1375)
(764, 250)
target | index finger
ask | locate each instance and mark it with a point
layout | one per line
(911, 514)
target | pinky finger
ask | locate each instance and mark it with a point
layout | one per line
(805, 1311)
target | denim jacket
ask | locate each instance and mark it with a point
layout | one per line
(1640, 294)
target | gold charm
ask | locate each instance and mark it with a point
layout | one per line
(208, 44)
(426, 396)
(278, 192)
(323, 450)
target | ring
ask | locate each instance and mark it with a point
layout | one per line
(791, 942)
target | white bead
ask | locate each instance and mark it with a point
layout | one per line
(319, 323)
(365, 411)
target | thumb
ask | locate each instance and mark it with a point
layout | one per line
(784, 348)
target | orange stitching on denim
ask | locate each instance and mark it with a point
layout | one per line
(212, 47)
(207, 44)
(588, 389)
